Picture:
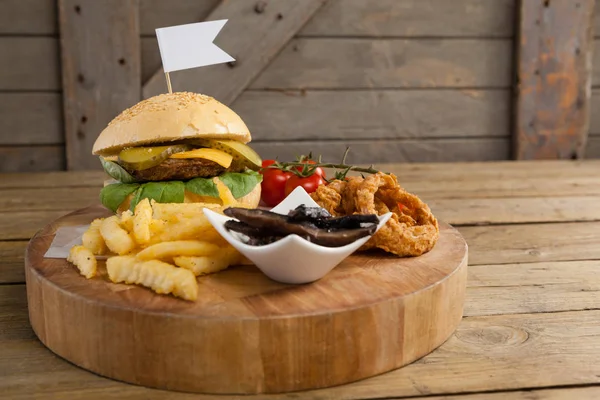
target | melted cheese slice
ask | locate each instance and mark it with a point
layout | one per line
(218, 156)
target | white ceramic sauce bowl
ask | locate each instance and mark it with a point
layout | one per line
(292, 259)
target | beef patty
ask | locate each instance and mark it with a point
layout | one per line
(181, 169)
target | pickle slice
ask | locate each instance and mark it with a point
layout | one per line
(140, 158)
(242, 153)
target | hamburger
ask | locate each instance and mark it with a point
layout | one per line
(178, 148)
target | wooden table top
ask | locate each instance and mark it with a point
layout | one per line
(531, 327)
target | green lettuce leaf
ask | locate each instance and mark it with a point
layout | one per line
(116, 171)
(202, 187)
(113, 195)
(161, 192)
(241, 183)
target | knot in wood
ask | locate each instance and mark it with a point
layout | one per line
(259, 8)
(492, 336)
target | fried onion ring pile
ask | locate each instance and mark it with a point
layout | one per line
(411, 231)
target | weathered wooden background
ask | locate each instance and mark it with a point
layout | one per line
(397, 80)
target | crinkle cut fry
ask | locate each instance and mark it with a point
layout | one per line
(413, 230)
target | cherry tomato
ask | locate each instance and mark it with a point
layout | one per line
(309, 183)
(320, 171)
(273, 184)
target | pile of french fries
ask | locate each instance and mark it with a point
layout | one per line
(162, 246)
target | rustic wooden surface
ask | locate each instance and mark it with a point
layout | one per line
(412, 306)
(530, 328)
(554, 78)
(260, 31)
(100, 70)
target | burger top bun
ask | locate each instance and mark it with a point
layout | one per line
(170, 117)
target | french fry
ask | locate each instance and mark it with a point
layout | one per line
(209, 264)
(185, 229)
(93, 240)
(116, 238)
(166, 250)
(177, 211)
(159, 276)
(224, 193)
(84, 260)
(127, 221)
(142, 219)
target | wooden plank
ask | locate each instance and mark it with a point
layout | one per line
(554, 74)
(59, 198)
(532, 243)
(414, 18)
(22, 225)
(387, 150)
(253, 40)
(151, 61)
(31, 118)
(59, 179)
(30, 63)
(595, 103)
(516, 210)
(32, 158)
(579, 393)
(592, 149)
(490, 353)
(159, 13)
(483, 187)
(30, 17)
(547, 287)
(308, 115)
(100, 77)
(11, 261)
(389, 63)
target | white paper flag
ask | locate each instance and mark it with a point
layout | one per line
(191, 45)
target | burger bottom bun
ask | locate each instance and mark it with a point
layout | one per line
(251, 200)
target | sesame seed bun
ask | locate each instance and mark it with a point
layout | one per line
(170, 117)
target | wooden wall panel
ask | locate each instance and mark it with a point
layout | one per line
(31, 118)
(29, 63)
(28, 158)
(31, 17)
(414, 18)
(389, 63)
(359, 114)
(160, 13)
(100, 46)
(369, 151)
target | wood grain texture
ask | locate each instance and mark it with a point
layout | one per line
(505, 352)
(388, 63)
(593, 147)
(42, 199)
(391, 151)
(516, 210)
(23, 225)
(159, 13)
(34, 63)
(31, 118)
(54, 179)
(407, 18)
(32, 158)
(532, 243)
(595, 104)
(381, 114)
(413, 18)
(554, 74)
(412, 306)
(31, 17)
(100, 77)
(547, 287)
(11, 261)
(579, 393)
(254, 40)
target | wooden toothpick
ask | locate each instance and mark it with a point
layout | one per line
(168, 82)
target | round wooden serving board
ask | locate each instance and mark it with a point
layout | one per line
(246, 333)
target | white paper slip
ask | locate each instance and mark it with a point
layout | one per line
(191, 45)
(65, 238)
